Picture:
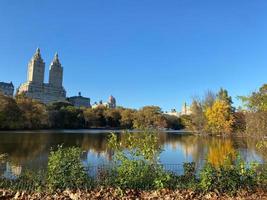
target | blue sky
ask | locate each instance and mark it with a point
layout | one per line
(143, 52)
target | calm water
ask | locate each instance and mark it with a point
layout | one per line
(30, 149)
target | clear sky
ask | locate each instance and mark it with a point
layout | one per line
(143, 52)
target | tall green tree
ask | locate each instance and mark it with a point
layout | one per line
(222, 95)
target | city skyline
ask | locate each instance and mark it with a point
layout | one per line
(148, 53)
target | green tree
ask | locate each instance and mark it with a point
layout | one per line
(222, 95)
(34, 113)
(95, 117)
(173, 122)
(149, 117)
(256, 115)
(10, 114)
(257, 101)
(64, 115)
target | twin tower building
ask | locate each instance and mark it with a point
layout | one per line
(35, 87)
(53, 91)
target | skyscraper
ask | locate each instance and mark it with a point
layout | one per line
(35, 87)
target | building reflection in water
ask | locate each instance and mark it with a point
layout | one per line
(12, 171)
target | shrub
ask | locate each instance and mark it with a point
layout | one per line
(136, 163)
(185, 181)
(65, 169)
(229, 178)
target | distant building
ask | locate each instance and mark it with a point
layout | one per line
(110, 104)
(35, 87)
(80, 101)
(186, 110)
(7, 88)
(173, 112)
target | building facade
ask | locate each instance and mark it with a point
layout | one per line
(7, 89)
(80, 101)
(110, 104)
(173, 112)
(35, 88)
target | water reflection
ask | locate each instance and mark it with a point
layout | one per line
(29, 150)
(221, 151)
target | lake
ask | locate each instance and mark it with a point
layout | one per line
(30, 149)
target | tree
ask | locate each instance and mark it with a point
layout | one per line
(10, 114)
(173, 122)
(149, 117)
(112, 117)
(62, 115)
(257, 101)
(208, 100)
(34, 113)
(256, 116)
(197, 117)
(222, 95)
(220, 119)
(94, 117)
(127, 118)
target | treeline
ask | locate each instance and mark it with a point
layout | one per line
(25, 113)
(214, 114)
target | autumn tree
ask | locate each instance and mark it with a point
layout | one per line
(219, 117)
(127, 118)
(112, 117)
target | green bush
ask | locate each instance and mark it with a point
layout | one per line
(65, 169)
(186, 181)
(229, 178)
(136, 163)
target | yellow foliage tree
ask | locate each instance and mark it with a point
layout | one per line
(220, 119)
